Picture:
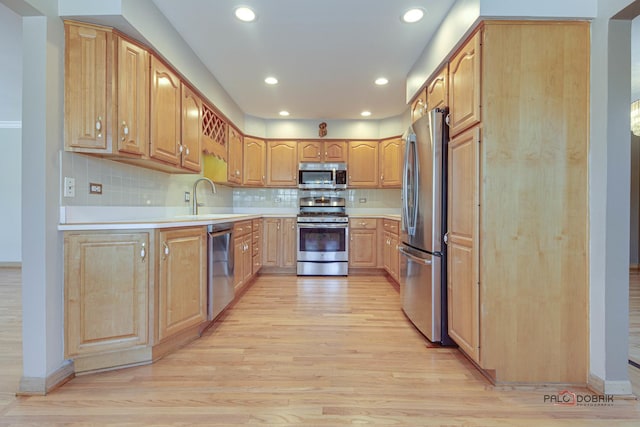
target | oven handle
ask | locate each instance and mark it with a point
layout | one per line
(323, 225)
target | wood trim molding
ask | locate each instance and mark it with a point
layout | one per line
(617, 388)
(40, 386)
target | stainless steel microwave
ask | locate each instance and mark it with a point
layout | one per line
(322, 176)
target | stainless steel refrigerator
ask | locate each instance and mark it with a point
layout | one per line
(423, 277)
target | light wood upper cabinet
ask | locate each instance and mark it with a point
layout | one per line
(255, 157)
(463, 256)
(419, 106)
(282, 163)
(106, 294)
(363, 164)
(391, 152)
(322, 151)
(87, 59)
(438, 90)
(166, 113)
(191, 130)
(182, 280)
(131, 127)
(234, 169)
(464, 86)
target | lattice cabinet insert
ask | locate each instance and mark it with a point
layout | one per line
(214, 129)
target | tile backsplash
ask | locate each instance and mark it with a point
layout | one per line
(128, 185)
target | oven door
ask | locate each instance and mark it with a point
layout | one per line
(323, 242)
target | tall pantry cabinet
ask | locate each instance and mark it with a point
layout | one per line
(517, 208)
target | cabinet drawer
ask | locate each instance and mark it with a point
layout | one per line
(363, 223)
(391, 226)
(241, 228)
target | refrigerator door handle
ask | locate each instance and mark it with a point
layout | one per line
(410, 139)
(403, 251)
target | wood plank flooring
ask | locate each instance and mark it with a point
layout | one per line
(307, 352)
(10, 334)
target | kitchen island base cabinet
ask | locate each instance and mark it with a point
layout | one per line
(106, 299)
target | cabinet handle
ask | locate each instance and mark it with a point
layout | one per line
(166, 250)
(99, 126)
(292, 226)
(180, 148)
(318, 154)
(381, 177)
(326, 154)
(186, 150)
(143, 252)
(278, 226)
(446, 238)
(125, 131)
(237, 172)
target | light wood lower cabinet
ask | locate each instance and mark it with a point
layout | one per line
(256, 242)
(242, 254)
(363, 239)
(279, 242)
(106, 298)
(390, 248)
(182, 290)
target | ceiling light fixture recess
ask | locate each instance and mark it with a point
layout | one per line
(381, 81)
(271, 80)
(413, 15)
(245, 14)
(365, 113)
(284, 113)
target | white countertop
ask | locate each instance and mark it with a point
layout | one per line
(79, 218)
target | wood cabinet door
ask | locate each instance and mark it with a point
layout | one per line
(106, 292)
(256, 241)
(271, 242)
(131, 127)
(419, 106)
(394, 257)
(255, 158)
(87, 52)
(182, 290)
(363, 164)
(464, 86)
(438, 90)
(386, 236)
(289, 239)
(362, 248)
(247, 259)
(335, 151)
(238, 263)
(463, 223)
(234, 162)
(282, 163)
(391, 163)
(165, 110)
(310, 151)
(191, 130)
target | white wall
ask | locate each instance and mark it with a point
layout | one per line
(10, 136)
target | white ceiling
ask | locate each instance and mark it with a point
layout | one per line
(325, 53)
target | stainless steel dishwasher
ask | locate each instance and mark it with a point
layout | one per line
(220, 268)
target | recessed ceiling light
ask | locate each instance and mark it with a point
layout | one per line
(413, 15)
(271, 81)
(245, 14)
(365, 113)
(284, 113)
(381, 81)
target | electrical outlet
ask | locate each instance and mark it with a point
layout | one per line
(95, 188)
(277, 200)
(187, 196)
(69, 187)
(362, 200)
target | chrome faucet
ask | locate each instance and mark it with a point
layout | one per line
(194, 207)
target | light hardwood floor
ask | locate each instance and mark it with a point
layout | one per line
(307, 352)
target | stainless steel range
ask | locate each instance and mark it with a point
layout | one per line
(323, 236)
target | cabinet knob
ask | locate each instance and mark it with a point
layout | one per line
(186, 150)
(125, 131)
(180, 148)
(237, 172)
(99, 126)
(166, 250)
(143, 252)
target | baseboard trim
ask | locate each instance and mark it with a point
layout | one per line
(616, 388)
(10, 264)
(38, 386)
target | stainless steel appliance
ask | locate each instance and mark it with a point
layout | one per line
(323, 237)
(322, 176)
(220, 268)
(423, 288)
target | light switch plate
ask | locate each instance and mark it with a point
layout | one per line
(69, 187)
